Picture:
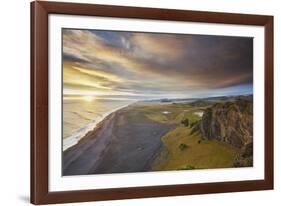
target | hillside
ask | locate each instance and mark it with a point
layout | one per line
(232, 123)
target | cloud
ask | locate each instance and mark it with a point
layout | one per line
(165, 46)
(155, 63)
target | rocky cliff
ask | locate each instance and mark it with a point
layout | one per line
(230, 122)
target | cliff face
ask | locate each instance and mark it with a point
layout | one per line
(230, 122)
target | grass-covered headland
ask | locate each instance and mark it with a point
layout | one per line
(183, 147)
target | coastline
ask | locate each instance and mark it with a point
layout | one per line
(131, 139)
(121, 142)
(78, 135)
(90, 139)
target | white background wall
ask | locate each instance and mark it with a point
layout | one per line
(14, 102)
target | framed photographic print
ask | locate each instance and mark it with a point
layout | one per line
(133, 102)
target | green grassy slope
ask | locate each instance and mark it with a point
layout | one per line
(183, 150)
(186, 151)
(176, 113)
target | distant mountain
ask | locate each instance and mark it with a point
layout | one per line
(230, 98)
(200, 103)
(206, 99)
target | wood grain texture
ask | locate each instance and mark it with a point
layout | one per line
(39, 102)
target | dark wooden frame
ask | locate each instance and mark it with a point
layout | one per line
(39, 102)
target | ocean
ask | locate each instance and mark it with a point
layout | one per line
(80, 116)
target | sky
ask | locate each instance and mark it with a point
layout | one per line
(136, 65)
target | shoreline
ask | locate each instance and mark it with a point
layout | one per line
(82, 132)
(122, 142)
(90, 139)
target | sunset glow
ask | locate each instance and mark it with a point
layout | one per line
(88, 98)
(154, 65)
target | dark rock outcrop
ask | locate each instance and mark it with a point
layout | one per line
(245, 158)
(230, 122)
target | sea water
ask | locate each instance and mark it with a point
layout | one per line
(80, 117)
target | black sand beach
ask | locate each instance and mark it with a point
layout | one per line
(125, 141)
